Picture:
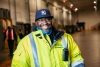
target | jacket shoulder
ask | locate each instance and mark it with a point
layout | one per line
(67, 35)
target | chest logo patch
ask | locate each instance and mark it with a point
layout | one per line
(59, 46)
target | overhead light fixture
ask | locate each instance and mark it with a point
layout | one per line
(94, 2)
(71, 5)
(76, 9)
(95, 7)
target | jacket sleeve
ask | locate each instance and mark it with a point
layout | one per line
(20, 57)
(75, 54)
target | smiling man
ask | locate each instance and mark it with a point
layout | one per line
(46, 46)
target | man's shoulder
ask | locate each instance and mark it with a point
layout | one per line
(32, 33)
(66, 34)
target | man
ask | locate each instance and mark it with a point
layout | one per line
(46, 46)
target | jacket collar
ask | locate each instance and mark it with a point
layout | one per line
(56, 34)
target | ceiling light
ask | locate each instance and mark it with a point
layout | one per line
(76, 9)
(94, 2)
(71, 5)
(95, 7)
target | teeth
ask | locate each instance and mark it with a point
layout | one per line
(44, 27)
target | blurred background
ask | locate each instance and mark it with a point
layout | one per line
(80, 18)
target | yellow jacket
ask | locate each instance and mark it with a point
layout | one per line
(40, 52)
(18, 39)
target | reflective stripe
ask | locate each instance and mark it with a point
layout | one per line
(64, 42)
(77, 63)
(34, 50)
(80, 65)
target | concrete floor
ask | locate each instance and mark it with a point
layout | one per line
(88, 42)
(5, 59)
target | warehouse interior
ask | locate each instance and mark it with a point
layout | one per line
(80, 18)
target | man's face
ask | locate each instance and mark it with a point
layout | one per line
(44, 23)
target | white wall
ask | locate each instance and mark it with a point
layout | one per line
(12, 12)
(4, 4)
(8, 4)
(33, 9)
(22, 11)
(90, 17)
(43, 4)
(17, 9)
(64, 17)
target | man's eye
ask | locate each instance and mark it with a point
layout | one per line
(48, 19)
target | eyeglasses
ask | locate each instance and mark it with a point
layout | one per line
(44, 20)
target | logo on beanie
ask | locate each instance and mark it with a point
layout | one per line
(43, 12)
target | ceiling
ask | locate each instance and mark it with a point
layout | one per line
(80, 4)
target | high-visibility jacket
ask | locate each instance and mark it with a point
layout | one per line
(38, 51)
(18, 39)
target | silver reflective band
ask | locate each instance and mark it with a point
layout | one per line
(34, 50)
(77, 63)
(80, 65)
(64, 43)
